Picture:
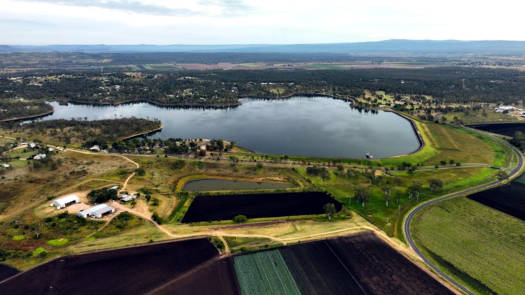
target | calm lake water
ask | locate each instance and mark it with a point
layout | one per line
(308, 126)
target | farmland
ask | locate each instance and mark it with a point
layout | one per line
(509, 199)
(264, 273)
(116, 272)
(226, 207)
(182, 267)
(217, 277)
(357, 264)
(478, 246)
(507, 129)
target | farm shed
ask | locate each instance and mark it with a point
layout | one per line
(65, 201)
(127, 197)
(96, 211)
(99, 213)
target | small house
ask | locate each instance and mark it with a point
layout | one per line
(65, 201)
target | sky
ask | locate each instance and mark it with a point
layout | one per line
(40, 22)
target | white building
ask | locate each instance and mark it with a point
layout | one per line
(65, 201)
(97, 211)
(127, 197)
(502, 109)
(95, 148)
(40, 156)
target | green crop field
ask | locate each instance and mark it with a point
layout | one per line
(479, 246)
(264, 273)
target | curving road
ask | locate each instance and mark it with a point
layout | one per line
(410, 216)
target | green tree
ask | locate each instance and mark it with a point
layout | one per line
(329, 209)
(362, 195)
(414, 190)
(140, 171)
(502, 175)
(240, 218)
(435, 184)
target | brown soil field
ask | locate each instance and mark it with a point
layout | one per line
(135, 270)
(215, 278)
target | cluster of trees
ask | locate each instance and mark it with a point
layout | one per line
(14, 108)
(170, 146)
(102, 195)
(88, 133)
(318, 171)
(223, 88)
(518, 140)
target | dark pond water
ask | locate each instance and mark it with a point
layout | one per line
(308, 126)
(217, 184)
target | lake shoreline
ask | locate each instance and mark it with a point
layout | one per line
(29, 117)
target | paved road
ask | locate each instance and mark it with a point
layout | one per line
(410, 216)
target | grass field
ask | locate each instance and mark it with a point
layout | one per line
(264, 273)
(479, 246)
(478, 117)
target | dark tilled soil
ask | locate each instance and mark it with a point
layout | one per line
(382, 270)
(225, 207)
(126, 271)
(217, 278)
(317, 271)
(509, 199)
(7, 271)
(504, 128)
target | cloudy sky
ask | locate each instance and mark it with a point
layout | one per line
(255, 21)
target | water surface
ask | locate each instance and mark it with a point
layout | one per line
(308, 126)
(217, 184)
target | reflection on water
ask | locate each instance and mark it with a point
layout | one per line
(308, 126)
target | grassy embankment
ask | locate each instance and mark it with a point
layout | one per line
(478, 246)
(442, 143)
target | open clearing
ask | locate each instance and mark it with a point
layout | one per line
(478, 246)
(226, 207)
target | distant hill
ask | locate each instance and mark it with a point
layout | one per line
(388, 47)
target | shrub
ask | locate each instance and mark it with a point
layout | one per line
(40, 252)
(217, 243)
(156, 218)
(240, 218)
(178, 164)
(318, 171)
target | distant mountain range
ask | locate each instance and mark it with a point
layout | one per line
(388, 47)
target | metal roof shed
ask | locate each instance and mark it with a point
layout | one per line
(65, 201)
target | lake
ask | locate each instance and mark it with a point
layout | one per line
(307, 126)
